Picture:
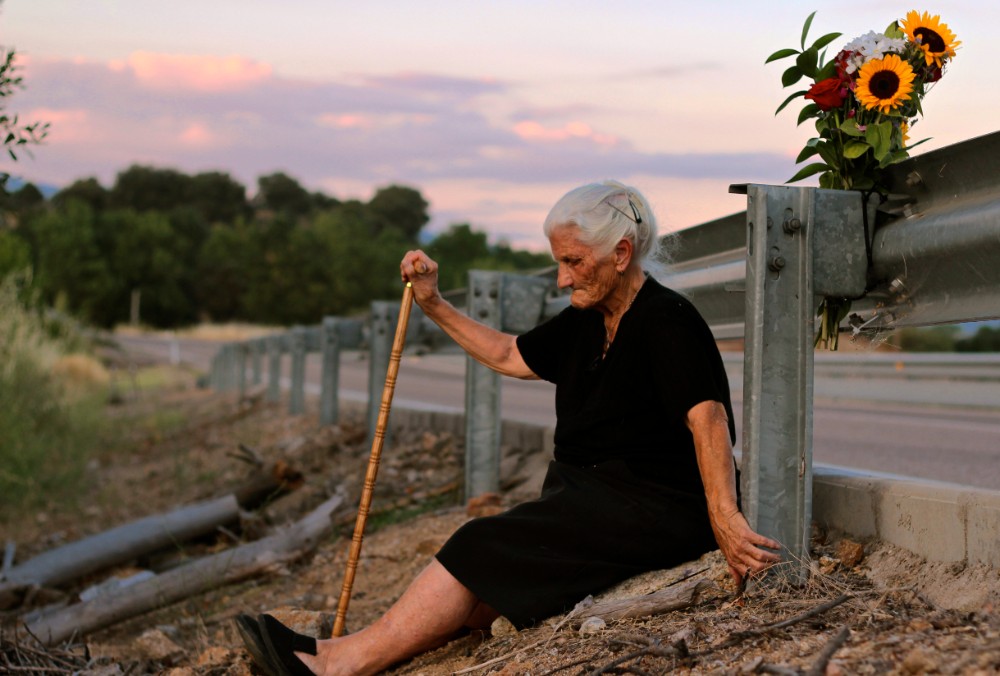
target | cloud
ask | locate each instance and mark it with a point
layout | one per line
(190, 71)
(199, 113)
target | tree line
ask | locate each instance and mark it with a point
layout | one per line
(187, 248)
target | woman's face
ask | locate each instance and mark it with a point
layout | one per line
(592, 279)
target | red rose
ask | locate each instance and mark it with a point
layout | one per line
(828, 94)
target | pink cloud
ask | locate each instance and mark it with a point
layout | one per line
(65, 125)
(197, 134)
(531, 130)
(190, 71)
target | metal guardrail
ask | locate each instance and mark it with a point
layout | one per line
(935, 258)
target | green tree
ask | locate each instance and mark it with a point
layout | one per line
(71, 264)
(218, 197)
(86, 190)
(401, 208)
(927, 339)
(148, 188)
(282, 194)
(150, 259)
(455, 250)
(225, 264)
(985, 339)
(15, 254)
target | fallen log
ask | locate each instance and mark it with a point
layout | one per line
(672, 598)
(115, 546)
(144, 536)
(194, 578)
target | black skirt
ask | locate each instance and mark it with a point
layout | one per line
(592, 527)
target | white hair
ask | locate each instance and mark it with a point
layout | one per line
(606, 213)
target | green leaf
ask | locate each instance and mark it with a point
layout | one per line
(805, 28)
(808, 170)
(806, 61)
(791, 76)
(893, 31)
(806, 153)
(914, 145)
(808, 111)
(850, 127)
(879, 137)
(781, 54)
(829, 153)
(825, 40)
(826, 72)
(828, 181)
(893, 158)
(789, 100)
(855, 149)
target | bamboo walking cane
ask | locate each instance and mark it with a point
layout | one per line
(376, 454)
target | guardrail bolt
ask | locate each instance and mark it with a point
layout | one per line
(913, 179)
(776, 263)
(792, 226)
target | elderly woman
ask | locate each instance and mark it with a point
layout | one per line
(643, 475)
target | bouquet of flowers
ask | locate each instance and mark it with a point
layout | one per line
(865, 100)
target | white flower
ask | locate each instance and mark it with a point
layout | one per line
(870, 46)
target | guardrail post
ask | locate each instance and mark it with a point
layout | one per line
(384, 316)
(256, 351)
(297, 399)
(241, 350)
(794, 238)
(482, 392)
(329, 410)
(274, 347)
(229, 368)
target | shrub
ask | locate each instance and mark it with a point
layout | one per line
(49, 406)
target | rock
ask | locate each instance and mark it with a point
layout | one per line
(309, 622)
(216, 656)
(156, 646)
(918, 662)
(502, 627)
(181, 671)
(850, 552)
(593, 625)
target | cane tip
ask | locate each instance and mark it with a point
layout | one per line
(409, 285)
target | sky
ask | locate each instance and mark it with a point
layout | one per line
(492, 110)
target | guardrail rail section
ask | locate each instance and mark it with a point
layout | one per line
(932, 256)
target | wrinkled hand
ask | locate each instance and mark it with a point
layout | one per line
(746, 551)
(421, 272)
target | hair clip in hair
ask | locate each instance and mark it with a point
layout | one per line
(635, 212)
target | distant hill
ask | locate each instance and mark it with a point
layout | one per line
(15, 184)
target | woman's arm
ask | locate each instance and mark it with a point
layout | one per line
(490, 347)
(742, 547)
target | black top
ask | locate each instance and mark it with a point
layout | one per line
(631, 405)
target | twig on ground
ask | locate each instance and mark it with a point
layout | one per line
(497, 660)
(740, 636)
(832, 646)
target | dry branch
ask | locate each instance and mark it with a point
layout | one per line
(202, 575)
(115, 546)
(819, 668)
(663, 601)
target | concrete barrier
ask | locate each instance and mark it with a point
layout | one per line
(936, 520)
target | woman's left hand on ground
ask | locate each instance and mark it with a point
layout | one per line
(746, 551)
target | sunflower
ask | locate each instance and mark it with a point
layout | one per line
(934, 38)
(884, 83)
(904, 130)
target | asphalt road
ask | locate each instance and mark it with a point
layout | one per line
(876, 426)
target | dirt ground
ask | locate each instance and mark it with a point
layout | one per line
(868, 608)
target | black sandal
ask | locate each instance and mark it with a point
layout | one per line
(282, 643)
(253, 641)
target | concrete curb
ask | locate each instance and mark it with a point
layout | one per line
(936, 520)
